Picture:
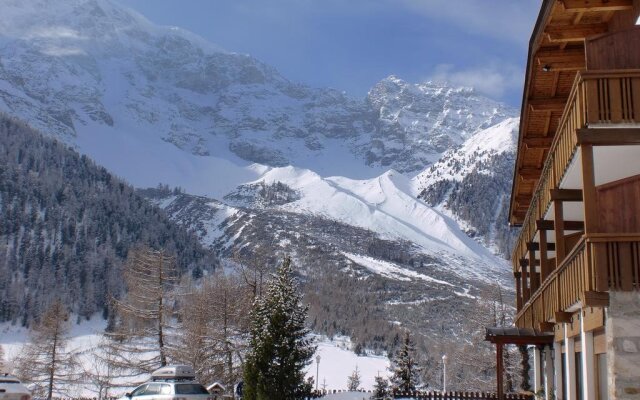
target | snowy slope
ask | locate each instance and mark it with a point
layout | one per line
(337, 359)
(473, 155)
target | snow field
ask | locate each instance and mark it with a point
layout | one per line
(337, 361)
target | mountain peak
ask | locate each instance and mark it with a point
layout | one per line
(83, 25)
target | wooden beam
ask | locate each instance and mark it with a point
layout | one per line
(546, 326)
(529, 173)
(538, 142)
(595, 299)
(548, 225)
(574, 33)
(597, 5)
(544, 56)
(560, 66)
(563, 317)
(524, 199)
(609, 136)
(547, 103)
(566, 195)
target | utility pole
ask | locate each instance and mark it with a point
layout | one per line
(317, 370)
(444, 373)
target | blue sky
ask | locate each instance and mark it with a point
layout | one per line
(351, 44)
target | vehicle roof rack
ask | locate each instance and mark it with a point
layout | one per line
(174, 373)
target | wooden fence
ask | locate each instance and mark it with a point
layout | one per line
(417, 395)
(436, 395)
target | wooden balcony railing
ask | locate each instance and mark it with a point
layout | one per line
(602, 98)
(597, 264)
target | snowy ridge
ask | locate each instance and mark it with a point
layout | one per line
(472, 155)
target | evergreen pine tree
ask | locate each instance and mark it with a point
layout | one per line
(354, 380)
(280, 346)
(404, 368)
(380, 389)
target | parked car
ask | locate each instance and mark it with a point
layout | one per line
(175, 382)
(12, 389)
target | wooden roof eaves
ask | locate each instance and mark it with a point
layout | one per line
(536, 38)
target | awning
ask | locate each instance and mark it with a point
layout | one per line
(518, 336)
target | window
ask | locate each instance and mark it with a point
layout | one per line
(152, 388)
(139, 391)
(190, 388)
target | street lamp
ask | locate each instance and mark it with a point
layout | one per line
(317, 370)
(444, 373)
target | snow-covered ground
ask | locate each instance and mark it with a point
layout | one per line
(337, 361)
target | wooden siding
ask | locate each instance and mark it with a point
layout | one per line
(619, 206)
(617, 50)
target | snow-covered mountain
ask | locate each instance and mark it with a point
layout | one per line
(72, 66)
(369, 190)
(471, 183)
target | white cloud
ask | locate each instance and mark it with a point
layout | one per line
(494, 80)
(501, 19)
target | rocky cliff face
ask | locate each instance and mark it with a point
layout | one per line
(68, 65)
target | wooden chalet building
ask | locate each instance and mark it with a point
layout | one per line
(576, 195)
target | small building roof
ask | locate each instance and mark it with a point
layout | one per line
(520, 336)
(216, 385)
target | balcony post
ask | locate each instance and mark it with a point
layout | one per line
(523, 277)
(534, 278)
(589, 195)
(587, 358)
(544, 261)
(517, 275)
(548, 373)
(537, 370)
(570, 364)
(557, 369)
(558, 226)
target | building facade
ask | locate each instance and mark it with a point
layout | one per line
(576, 195)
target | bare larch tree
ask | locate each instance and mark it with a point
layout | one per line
(213, 331)
(138, 343)
(45, 360)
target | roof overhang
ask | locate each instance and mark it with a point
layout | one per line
(518, 336)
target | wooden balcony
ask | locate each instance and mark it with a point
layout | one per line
(597, 264)
(601, 107)
(609, 98)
